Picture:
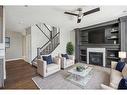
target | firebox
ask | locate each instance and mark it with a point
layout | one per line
(96, 58)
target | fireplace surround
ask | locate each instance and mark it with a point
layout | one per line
(96, 56)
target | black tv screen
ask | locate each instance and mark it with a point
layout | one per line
(96, 36)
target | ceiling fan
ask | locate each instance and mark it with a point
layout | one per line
(81, 14)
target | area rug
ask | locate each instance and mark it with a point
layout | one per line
(58, 80)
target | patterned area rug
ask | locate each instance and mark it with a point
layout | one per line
(58, 80)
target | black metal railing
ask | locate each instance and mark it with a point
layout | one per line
(42, 31)
(50, 40)
(52, 43)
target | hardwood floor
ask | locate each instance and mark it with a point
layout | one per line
(19, 75)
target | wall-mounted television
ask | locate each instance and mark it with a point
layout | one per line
(96, 36)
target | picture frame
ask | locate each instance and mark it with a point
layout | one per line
(7, 42)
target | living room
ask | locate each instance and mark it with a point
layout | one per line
(78, 51)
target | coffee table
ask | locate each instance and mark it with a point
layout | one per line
(80, 78)
(79, 75)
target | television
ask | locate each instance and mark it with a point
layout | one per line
(96, 36)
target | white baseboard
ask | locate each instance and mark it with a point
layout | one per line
(14, 59)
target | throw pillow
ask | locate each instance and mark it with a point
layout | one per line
(123, 84)
(124, 71)
(65, 55)
(48, 59)
(120, 65)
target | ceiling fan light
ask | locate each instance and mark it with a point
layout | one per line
(81, 14)
(78, 20)
(79, 17)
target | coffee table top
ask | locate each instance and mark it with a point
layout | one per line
(83, 73)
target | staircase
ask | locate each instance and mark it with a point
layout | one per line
(53, 36)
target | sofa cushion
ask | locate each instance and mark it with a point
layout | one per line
(115, 78)
(124, 71)
(65, 55)
(48, 59)
(113, 64)
(120, 65)
(123, 84)
(69, 61)
(51, 67)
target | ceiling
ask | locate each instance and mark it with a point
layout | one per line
(17, 18)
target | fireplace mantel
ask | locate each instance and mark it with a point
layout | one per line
(101, 50)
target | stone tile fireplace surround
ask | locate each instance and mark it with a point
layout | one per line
(96, 50)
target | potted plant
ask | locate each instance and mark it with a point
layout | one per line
(70, 48)
(79, 68)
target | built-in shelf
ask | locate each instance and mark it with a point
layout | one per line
(84, 41)
(83, 36)
(115, 31)
(111, 41)
(82, 55)
(111, 49)
(112, 38)
(112, 58)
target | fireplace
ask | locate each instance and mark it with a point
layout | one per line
(96, 58)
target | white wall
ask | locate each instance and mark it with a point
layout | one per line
(1, 30)
(19, 47)
(72, 38)
(24, 47)
(38, 39)
(65, 36)
(34, 39)
(16, 46)
(27, 45)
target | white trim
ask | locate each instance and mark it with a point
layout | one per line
(15, 59)
(4, 65)
(24, 57)
(103, 50)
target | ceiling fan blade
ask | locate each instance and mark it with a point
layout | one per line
(71, 13)
(78, 20)
(91, 11)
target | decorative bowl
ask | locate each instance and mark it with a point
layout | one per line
(80, 68)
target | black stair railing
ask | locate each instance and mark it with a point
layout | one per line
(54, 42)
(50, 40)
(42, 31)
(47, 27)
(40, 50)
(49, 44)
